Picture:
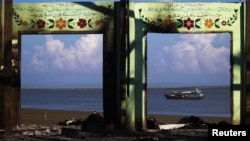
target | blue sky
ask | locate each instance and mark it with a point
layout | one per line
(61, 60)
(189, 59)
(56, 61)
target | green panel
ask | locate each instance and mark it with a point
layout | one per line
(190, 18)
(62, 16)
(163, 17)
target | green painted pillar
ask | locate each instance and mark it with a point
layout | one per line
(247, 98)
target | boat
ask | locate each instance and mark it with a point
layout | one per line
(192, 94)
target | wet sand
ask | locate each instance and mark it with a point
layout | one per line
(49, 117)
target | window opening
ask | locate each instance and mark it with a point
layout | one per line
(183, 62)
(61, 72)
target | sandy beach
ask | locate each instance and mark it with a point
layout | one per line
(42, 125)
(49, 117)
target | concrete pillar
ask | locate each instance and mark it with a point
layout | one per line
(247, 98)
(6, 88)
(1, 62)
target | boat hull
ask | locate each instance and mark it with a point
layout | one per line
(195, 94)
(168, 96)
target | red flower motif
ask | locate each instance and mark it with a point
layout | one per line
(82, 23)
(188, 23)
(40, 23)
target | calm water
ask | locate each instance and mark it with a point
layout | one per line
(215, 103)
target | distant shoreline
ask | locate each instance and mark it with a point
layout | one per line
(152, 88)
(48, 116)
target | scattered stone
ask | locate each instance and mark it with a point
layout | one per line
(192, 122)
(224, 123)
(152, 123)
(93, 129)
(37, 133)
(72, 133)
(72, 122)
(94, 123)
(147, 138)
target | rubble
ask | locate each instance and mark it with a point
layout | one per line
(92, 129)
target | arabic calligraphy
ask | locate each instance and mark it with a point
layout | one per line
(189, 15)
(51, 15)
(55, 10)
(188, 9)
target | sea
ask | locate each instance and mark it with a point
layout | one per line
(215, 103)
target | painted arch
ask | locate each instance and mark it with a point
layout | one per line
(187, 18)
(143, 17)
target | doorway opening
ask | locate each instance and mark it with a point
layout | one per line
(60, 72)
(183, 62)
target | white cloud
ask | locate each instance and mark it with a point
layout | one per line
(196, 53)
(84, 55)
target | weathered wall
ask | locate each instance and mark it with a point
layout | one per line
(68, 18)
(246, 118)
(125, 81)
(50, 17)
(186, 18)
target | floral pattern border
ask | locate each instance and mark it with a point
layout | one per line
(189, 22)
(60, 23)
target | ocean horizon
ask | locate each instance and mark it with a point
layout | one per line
(215, 103)
(155, 87)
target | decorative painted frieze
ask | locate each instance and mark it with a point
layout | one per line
(61, 16)
(189, 16)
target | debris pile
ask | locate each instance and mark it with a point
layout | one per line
(93, 129)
